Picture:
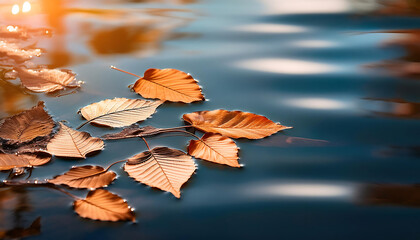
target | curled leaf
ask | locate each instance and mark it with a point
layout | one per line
(133, 131)
(164, 168)
(85, 177)
(10, 161)
(215, 148)
(104, 206)
(168, 85)
(47, 80)
(235, 124)
(119, 112)
(71, 143)
(27, 125)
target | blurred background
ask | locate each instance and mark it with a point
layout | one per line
(344, 73)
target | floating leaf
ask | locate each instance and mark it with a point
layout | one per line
(235, 124)
(168, 85)
(85, 177)
(10, 161)
(10, 50)
(105, 206)
(47, 80)
(71, 143)
(27, 125)
(216, 148)
(165, 168)
(119, 112)
(133, 131)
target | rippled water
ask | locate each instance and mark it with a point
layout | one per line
(344, 74)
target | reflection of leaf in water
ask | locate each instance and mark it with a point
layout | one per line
(394, 108)
(391, 194)
(13, 99)
(399, 7)
(18, 232)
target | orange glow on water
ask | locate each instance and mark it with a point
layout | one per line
(15, 9)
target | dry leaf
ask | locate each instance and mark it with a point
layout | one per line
(235, 124)
(47, 80)
(71, 143)
(10, 50)
(165, 168)
(133, 131)
(216, 148)
(27, 125)
(10, 161)
(105, 206)
(119, 112)
(85, 177)
(168, 85)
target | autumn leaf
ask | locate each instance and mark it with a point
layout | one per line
(47, 80)
(133, 131)
(164, 168)
(119, 112)
(85, 177)
(27, 125)
(71, 143)
(105, 206)
(215, 148)
(10, 51)
(235, 124)
(168, 85)
(10, 161)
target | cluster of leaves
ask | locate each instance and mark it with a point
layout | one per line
(32, 137)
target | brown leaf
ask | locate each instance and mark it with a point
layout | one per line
(119, 112)
(105, 206)
(71, 143)
(85, 177)
(47, 80)
(10, 161)
(216, 148)
(235, 124)
(10, 50)
(27, 125)
(164, 168)
(133, 131)
(168, 85)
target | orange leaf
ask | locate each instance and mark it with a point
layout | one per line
(105, 206)
(235, 124)
(47, 80)
(168, 85)
(85, 177)
(164, 168)
(71, 143)
(10, 161)
(27, 125)
(215, 148)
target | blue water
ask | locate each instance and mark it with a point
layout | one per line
(334, 70)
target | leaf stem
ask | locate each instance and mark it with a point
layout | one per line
(112, 164)
(182, 131)
(83, 124)
(115, 68)
(146, 143)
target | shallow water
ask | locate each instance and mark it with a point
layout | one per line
(342, 73)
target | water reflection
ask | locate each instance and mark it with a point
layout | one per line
(307, 190)
(393, 108)
(391, 194)
(13, 99)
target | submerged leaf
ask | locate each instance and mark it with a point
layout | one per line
(119, 112)
(168, 85)
(85, 177)
(215, 148)
(27, 125)
(71, 143)
(105, 206)
(165, 168)
(235, 124)
(133, 131)
(47, 80)
(10, 161)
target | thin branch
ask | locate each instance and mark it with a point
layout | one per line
(132, 74)
(112, 164)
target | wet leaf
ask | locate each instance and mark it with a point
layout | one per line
(27, 125)
(235, 124)
(164, 168)
(85, 177)
(119, 112)
(10, 161)
(133, 131)
(105, 206)
(10, 51)
(47, 80)
(168, 85)
(215, 148)
(71, 143)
